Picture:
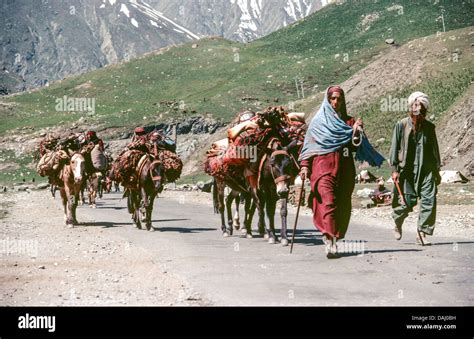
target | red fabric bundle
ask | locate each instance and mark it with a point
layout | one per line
(235, 156)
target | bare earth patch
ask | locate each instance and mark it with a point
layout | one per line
(44, 263)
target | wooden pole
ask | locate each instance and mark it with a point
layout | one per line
(297, 214)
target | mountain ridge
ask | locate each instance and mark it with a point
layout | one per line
(49, 40)
(206, 79)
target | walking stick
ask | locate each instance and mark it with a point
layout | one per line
(405, 203)
(297, 214)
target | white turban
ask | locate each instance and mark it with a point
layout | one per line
(420, 97)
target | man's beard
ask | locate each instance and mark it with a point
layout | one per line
(417, 121)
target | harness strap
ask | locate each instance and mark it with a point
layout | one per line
(279, 152)
(152, 165)
(260, 166)
(264, 157)
(296, 162)
(286, 176)
(281, 178)
(141, 164)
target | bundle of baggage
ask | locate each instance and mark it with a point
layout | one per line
(295, 126)
(124, 168)
(49, 143)
(217, 163)
(252, 130)
(171, 163)
(51, 163)
(55, 151)
(153, 145)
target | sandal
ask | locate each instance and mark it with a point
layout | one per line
(397, 231)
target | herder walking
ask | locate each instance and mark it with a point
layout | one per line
(326, 158)
(415, 161)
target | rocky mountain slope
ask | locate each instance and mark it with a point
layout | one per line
(238, 20)
(200, 86)
(42, 41)
(456, 135)
(443, 68)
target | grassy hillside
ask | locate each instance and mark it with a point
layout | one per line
(218, 74)
(220, 77)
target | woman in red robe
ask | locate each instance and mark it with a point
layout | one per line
(330, 167)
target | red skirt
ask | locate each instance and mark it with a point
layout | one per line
(332, 183)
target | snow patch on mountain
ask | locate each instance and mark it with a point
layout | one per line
(251, 11)
(146, 9)
(124, 9)
(252, 18)
(297, 9)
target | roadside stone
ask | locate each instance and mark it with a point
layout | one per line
(364, 193)
(21, 188)
(42, 186)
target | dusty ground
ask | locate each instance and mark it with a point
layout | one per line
(80, 266)
(186, 261)
(455, 211)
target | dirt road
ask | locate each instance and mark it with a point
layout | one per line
(186, 261)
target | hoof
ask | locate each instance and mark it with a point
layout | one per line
(237, 224)
(225, 234)
(266, 236)
(284, 242)
(271, 240)
(249, 236)
(331, 255)
(151, 229)
(94, 206)
(243, 231)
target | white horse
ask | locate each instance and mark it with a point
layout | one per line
(72, 176)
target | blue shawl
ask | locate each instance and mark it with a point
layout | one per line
(327, 133)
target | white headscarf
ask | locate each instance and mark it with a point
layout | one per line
(420, 97)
